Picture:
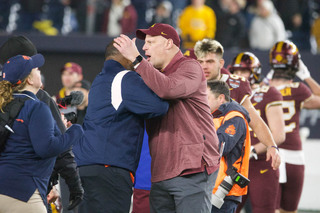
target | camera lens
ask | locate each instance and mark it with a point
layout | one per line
(218, 198)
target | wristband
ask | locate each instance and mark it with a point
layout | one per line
(277, 148)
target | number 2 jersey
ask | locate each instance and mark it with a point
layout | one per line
(294, 95)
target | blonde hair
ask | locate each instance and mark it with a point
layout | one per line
(206, 46)
(6, 91)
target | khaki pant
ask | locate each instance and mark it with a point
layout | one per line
(12, 205)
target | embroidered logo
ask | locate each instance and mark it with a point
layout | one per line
(262, 171)
(20, 120)
(230, 130)
(26, 57)
(162, 33)
(234, 83)
(68, 65)
(187, 53)
(258, 97)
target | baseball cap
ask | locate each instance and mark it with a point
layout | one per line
(19, 67)
(160, 29)
(16, 45)
(73, 67)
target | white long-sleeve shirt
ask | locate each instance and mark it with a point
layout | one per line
(265, 32)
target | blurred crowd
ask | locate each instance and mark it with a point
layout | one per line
(237, 24)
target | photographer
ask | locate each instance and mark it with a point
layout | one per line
(231, 121)
(65, 164)
(84, 87)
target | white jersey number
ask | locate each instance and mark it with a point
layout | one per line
(287, 115)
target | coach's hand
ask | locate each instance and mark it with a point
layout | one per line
(127, 47)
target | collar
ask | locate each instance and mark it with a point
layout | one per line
(223, 109)
(112, 62)
(280, 87)
(173, 61)
(26, 93)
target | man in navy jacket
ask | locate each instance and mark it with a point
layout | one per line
(119, 102)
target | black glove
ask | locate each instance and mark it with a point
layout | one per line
(74, 200)
(67, 168)
(76, 192)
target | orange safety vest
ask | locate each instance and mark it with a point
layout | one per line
(242, 164)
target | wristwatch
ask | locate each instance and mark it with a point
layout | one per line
(138, 60)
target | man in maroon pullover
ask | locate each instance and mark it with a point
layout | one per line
(183, 143)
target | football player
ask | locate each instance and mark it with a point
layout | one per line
(286, 64)
(209, 53)
(268, 103)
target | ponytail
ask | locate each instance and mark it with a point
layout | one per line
(6, 91)
(5, 94)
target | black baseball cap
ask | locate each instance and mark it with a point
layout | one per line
(16, 45)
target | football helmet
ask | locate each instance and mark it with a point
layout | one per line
(247, 61)
(284, 59)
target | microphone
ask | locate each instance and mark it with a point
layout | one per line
(74, 99)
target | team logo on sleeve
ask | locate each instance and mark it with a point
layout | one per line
(258, 97)
(234, 83)
(230, 130)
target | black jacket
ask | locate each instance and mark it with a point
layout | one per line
(65, 164)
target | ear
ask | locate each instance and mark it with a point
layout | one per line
(221, 99)
(221, 61)
(29, 80)
(169, 43)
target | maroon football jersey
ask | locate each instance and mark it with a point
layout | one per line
(293, 97)
(262, 98)
(239, 87)
(225, 71)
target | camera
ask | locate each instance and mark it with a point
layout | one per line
(226, 185)
(71, 116)
(74, 99)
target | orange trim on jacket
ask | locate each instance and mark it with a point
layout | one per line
(131, 174)
(242, 164)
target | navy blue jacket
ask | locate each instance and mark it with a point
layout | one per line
(233, 143)
(119, 101)
(30, 152)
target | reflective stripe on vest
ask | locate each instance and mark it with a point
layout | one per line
(242, 167)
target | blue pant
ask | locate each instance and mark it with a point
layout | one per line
(229, 206)
(106, 189)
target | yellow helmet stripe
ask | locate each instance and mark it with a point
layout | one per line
(238, 59)
(279, 46)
